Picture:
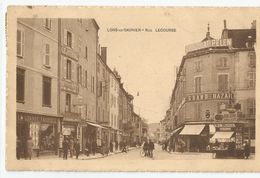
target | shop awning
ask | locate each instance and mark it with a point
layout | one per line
(192, 129)
(96, 125)
(222, 136)
(175, 131)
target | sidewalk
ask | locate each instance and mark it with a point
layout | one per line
(81, 156)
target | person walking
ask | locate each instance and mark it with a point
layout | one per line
(150, 148)
(146, 147)
(116, 145)
(124, 147)
(65, 147)
(71, 147)
(77, 148)
(94, 147)
(246, 150)
(29, 148)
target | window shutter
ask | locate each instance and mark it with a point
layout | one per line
(64, 65)
(72, 40)
(73, 72)
(65, 36)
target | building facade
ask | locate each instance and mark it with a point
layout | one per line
(37, 86)
(216, 76)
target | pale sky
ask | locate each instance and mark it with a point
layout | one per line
(146, 60)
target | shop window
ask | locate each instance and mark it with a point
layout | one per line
(47, 137)
(47, 23)
(251, 107)
(252, 79)
(20, 85)
(46, 91)
(68, 103)
(20, 43)
(197, 84)
(47, 55)
(68, 70)
(223, 82)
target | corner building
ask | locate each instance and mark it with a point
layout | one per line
(214, 75)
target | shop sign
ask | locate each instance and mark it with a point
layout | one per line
(221, 125)
(66, 131)
(208, 44)
(70, 53)
(209, 96)
(36, 118)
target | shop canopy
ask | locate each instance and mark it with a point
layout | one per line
(175, 131)
(222, 136)
(192, 129)
(95, 125)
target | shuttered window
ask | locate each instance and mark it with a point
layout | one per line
(47, 54)
(68, 69)
(197, 84)
(223, 82)
(20, 85)
(20, 43)
(46, 91)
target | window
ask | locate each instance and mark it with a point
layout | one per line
(20, 43)
(68, 69)
(68, 38)
(104, 74)
(100, 88)
(198, 66)
(223, 82)
(98, 114)
(222, 62)
(20, 85)
(86, 79)
(98, 67)
(197, 111)
(47, 23)
(68, 103)
(251, 79)
(47, 55)
(79, 74)
(86, 111)
(92, 84)
(251, 107)
(197, 84)
(46, 91)
(252, 59)
(103, 113)
(86, 52)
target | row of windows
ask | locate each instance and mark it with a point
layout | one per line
(20, 88)
(68, 41)
(223, 62)
(223, 82)
(82, 76)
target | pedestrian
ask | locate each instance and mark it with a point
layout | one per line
(124, 147)
(94, 147)
(71, 147)
(77, 148)
(246, 150)
(18, 148)
(146, 147)
(87, 149)
(116, 145)
(150, 148)
(65, 147)
(111, 147)
(29, 148)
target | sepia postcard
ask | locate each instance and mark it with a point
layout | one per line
(132, 89)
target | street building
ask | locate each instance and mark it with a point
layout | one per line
(37, 113)
(215, 87)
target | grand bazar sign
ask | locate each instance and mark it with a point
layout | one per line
(208, 44)
(209, 96)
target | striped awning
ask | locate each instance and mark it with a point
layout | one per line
(192, 129)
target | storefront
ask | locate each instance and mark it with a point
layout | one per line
(195, 136)
(42, 129)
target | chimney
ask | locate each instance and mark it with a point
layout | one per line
(225, 24)
(104, 54)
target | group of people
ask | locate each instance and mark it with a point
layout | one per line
(148, 147)
(174, 145)
(68, 145)
(24, 148)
